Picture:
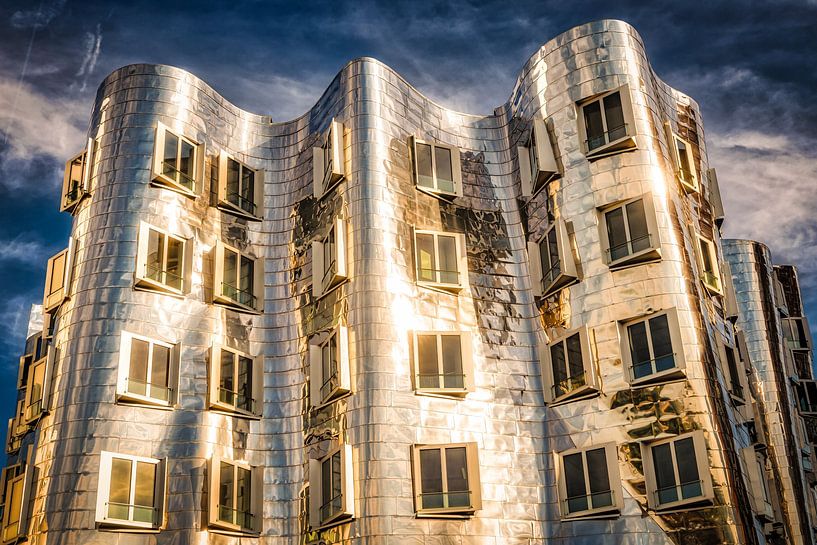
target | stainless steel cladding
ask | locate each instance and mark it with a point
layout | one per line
(386, 321)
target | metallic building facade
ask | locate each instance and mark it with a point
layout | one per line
(616, 151)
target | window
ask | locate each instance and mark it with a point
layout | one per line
(236, 382)
(329, 366)
(328, 161)
(552, 262)
(163, 261)
(329, 267)
(807, 396)
(57, 279)
(178, 162)
(148, 371)
(652, 350)
(440, 260)
(239, 279)
(96, 162)
(38, 386)
(446, 480)
(779, 295)
(442, 362)
(733, 367)
(684, 163)
(586, 481)
(796, 332)
(240, 188)
(236, 496)
(131, 491)
(730, 301)
(13, 440)
(17, 482)
(607, 125)
(715, 197)
(758, 485)
(708, 259)
(567, 368)
(537, 162)
(629, 232)
(74, 182)
(677, 471)
(331, 488)
(437, 168)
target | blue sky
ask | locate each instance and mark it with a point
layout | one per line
(751, 65)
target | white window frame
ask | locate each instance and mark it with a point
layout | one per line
(322, 281)
(76, 170)
(218, 280)
(54, 296)
(789, 326)
(473, 477)
(610, 147)
(568, 272)
(739, 396)
(711, 279)
(456, 169)
(466, 357)
(688, 180)
(257, 386)
(667, 375)
(230, 207)
(21, 472)
(537, 162)
(160, 179)
(462, 261)
(591, 386)
(34, 412)
(652, 253)
(329, 161)
(613, 475)
(104, 489)
(124, 393)
(702, 462)
(346, 509)
(256, 497)
(758, 484)
(343, 382)
(142, 280)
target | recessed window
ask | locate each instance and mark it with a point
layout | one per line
(677, 472)
(39, 386)
(437, 168)
(442, 362)
(328, 161)
(607, 124)
(567, 368)
(710, 273)
(131, 491)
(235, 496)
(17, 481)
(589, 482)
(806, 396)
(236, 382)
(329, 268)
(178, 162)
(759, 495)
(148, 371)
(239, 279)
(797, 333)
(440, 260)
(74, 182)
(329, 376)
(446, 480)
(685, 164)
(331, 488)
(629, 232)
(163, 261)
(552, 263)
(537, 162)
(57, 279)
(733, 367)
(652, 351)
(240, 188)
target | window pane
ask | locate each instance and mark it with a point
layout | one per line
(174, 263)
(169, 159)
(230, 285)
(227, 390)
(575, 486)
(706, 257)
(329, 253)
(144, 494)
(732, 366)
(337, 482)
(13, 503)
(456, 469)
(138, 367)
(617, 234)
(553, 272)
(246, 296)
(575, 361)
(248, 190)
(452, 362)
(226, 491)
(159, 372)
(245, 384)
(427, 361)
(614, 115)
(445, 180)
(243, 497)
(637, 222)
(639, 350)
(431, 479)
(593, 125)
(426, 263)
(233, 181)
(57, 273)
(326, 487)
(187, 161)
(600, 490)
(534, 157)
(329, 366)
(687, 468)
(155, 258)
(425, 177)
(120, 492)
(559, 366)
(683, 159)
(661, 343)
(448, 259)
(664, 474)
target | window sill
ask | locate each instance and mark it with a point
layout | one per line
(684, 505)
(334, 181)
(337, 395)
(340, 518)
(437, 286)
(136, 400)
(627, 143)
(331, 286)
(579, 394)
(644, 256)
(233, 305)
(228, 410)
(604, 513)
(562, 281)
(688, 188)
(464, 513)
(229, 208)
(228, 529)
(437, 194)
(715, 290)
(144, 284)
(116, 525)
(670, 375)
(446, 393)
(737, 400)
(163, 182)
(73, 205)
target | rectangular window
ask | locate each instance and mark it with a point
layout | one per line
(236, 496)
(178, 162)
(607, 125)
(442, 362)
(131, 491)
(715, 197)
(163, 261)
(797, 333)
(16, 482)
(74, 182)
(630, 232)
(236, 382)
(807, 396)
(708, 259)
(652, 351)
(38, 386)
(329, 268)
(331, 488)
(440, 260)
(446, 480)
(328, 161)
(148, 371)
(552, 263)
(437, 168)
(329, 377)
(537, 162)
(240, 188)
(758, 484)
(735, 373)
(57, 278)
(239, 279)
(677, 471)
(588, 481)
(685, 163)
(567, 368)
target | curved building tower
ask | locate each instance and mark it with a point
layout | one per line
(388, 322)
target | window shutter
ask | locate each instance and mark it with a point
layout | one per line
(315, 499)
(142, 251)
(317, 172)
(54, 296)
(28, 483)
(50, 362)
(315, 374)
(535, 268)
(344, 374)
(466, 341)
(340, 248)
(652, 223)
(755, 486)
(544, 153)
(213, 469)
(347, 480)
(103, 485)
(730, 303)
(546, 371)
(525, 171)
(218, 269)
(160, 492)
(565, 249)
(257, 497)
(317, 269)
(258, 283)
(258, 384)
(474, 484)
(221, 178)
(215, 375)
(715, 197)
(258, 194)
(456, 170)
(338, 151)
(588, 361)
(462, 259)
(158, 151)
(173, 372)
(198, 175)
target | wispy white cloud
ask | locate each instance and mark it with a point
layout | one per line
(20, 249)
(14, 320)
(93, 45)
(37, 18)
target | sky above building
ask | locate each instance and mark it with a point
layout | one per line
(750, 65)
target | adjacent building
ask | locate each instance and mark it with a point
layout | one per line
(389, 322)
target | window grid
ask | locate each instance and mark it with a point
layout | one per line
(235, 495)
(629, 217)
(149, 369)
(329, 366)
(568, 367)
(439, 361)
(179, 160)
(444, 496)
(240, 186)
(642, 336)
(238, 278)
(438, 258)
(235, 387)
(709, 264)
(684, 159)
(164, 259)
(592, 491)
(677, 472)
(604, 121)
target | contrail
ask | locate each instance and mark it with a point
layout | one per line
(22, 75)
